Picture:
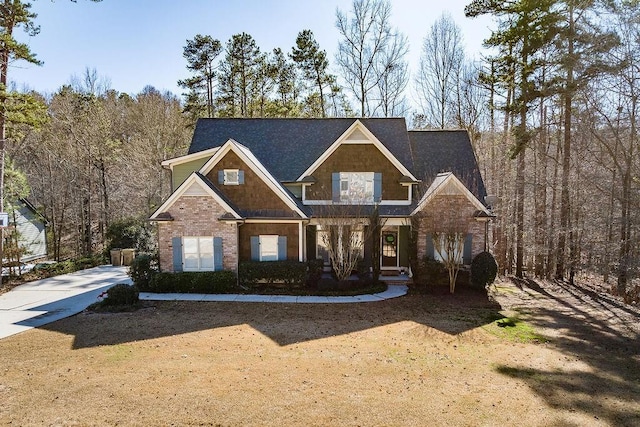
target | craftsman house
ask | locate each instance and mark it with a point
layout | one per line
(267, 189)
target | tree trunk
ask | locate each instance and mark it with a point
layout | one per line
(565, 207)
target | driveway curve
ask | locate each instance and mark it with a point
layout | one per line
(44, 301)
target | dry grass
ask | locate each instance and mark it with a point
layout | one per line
(417, 360)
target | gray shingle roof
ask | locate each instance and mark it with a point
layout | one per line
(436, 151)
(287, 147)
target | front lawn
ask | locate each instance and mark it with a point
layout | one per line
(416, 360)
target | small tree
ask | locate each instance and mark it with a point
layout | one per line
(448, 232)
(448, 245)
(345, 229)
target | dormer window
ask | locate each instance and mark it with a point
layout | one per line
(231, 177)
(357, 187)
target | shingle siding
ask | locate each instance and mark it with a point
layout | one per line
(253, 195)
(368, 159)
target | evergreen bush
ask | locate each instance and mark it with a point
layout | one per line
(120, 295)
(287, 272)
(142, 270)
(484, 269)
(202, 282)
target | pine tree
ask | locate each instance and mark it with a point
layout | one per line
(526, 28)
(314, 65)
(238, 73)
(200, 53)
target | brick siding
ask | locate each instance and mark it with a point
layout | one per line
(197, 216)
(454, 212)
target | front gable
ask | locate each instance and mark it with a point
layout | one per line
(357, 150)
(194, 186)
(257, 193)
(357, 133)
(448, 185)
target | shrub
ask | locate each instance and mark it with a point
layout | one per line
(203, 282)
(130, 233)
(483, 270)
(429, 271)
(315, 267)
(121, 294)
(142, 270)
(287, 272)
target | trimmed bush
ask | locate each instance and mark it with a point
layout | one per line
(287, 272)
(142, 270)
(315, 268)
(202, 282)
(121, 294)
(428, 271)
(484, 269)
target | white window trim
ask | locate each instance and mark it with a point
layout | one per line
(268, 239)
(347, 177)
(198, 254)
(227, 172)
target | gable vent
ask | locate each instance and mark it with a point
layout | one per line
(195, 189)
(451, 189)
(357, 135)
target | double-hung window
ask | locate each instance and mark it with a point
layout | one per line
(269, 248)
(231, 177)
(449, 246)
(197, 253)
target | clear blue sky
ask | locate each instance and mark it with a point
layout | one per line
(135, 43)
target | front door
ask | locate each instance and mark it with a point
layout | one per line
(389, 248)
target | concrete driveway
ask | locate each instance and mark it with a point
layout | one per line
(44, 301)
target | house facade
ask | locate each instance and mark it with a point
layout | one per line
(30, 228)
(273, 189)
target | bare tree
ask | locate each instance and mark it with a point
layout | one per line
(393, 78)
(440, 68)
(368, 45)
(448, 233)
(343, 231)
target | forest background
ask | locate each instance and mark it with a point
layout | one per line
(551, 108)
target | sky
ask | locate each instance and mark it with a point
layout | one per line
(135, 43)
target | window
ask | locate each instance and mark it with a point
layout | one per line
(448, 244)
(197, 253)
(356, 187)
(231, 177)
(269, 248)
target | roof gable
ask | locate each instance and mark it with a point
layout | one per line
(170, 163)
(247, 157)
(447, 184)
(357, 133)
(196, 185)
